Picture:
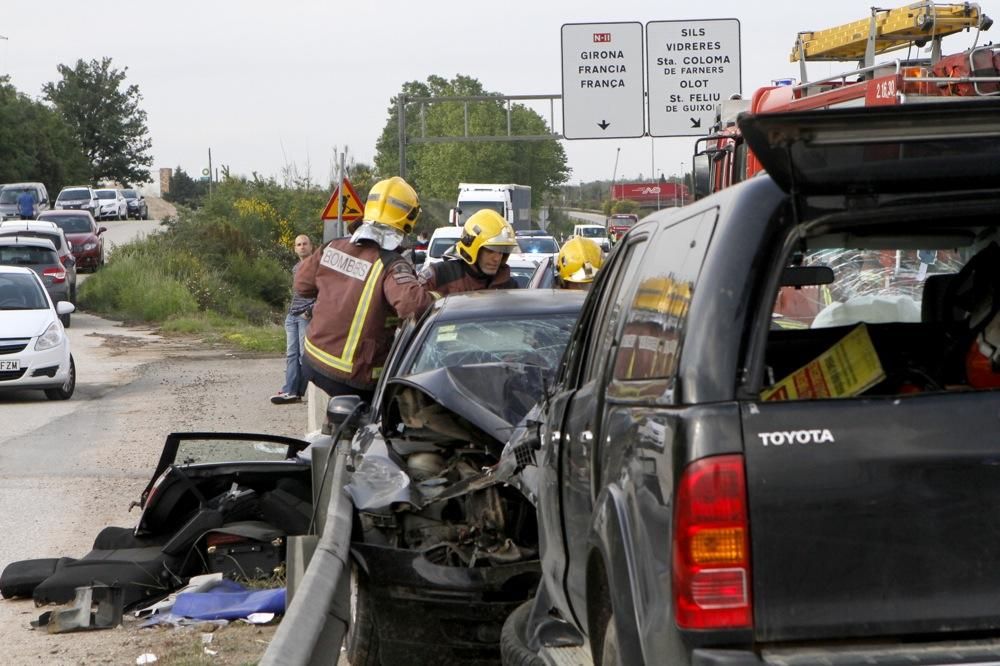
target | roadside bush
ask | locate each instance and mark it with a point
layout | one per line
(223, 266)
(135, 290)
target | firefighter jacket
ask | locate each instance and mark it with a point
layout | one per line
(453, 276)
(362, 292)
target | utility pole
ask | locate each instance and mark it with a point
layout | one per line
(614, 174)
(209, 171)
(340, 199)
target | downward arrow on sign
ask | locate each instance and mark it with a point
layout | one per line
(695, 122)
(604, 124)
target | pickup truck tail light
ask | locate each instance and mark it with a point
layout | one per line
(58, 275)
(711, 556)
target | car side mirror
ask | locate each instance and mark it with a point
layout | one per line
(65, 307)
(101, 230)
(341, 407)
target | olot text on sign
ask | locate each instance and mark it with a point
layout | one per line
(691, 67)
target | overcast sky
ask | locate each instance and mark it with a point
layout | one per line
(267, 84)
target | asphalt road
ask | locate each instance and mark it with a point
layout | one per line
(588, 218)
(70, 468)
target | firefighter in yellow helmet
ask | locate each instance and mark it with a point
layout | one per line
(577, 263)
(479, 260)
(362, 286)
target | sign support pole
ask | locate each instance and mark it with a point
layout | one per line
(340, 201)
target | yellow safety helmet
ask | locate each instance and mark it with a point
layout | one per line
(579, 260)
(485, 228)
(390, 213)
(393, 202)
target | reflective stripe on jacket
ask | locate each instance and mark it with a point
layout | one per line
(361, 294)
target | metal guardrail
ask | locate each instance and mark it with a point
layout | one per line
(315, 622)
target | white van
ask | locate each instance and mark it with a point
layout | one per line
(442, 240)
(594, 232)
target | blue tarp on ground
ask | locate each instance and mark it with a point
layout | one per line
(228, 601)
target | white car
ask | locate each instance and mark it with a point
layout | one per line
(535, 248)
(442, 240)
(594, 232)
(34, 347)
(113, 204)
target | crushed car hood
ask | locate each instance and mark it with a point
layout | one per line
(467, 402)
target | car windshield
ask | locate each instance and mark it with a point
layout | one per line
(21, 292)
(130, 194)
(439, 246)
(591, 232)
(470, 208)
(26, 255)
(538, 340)
(71, 224)
(10, 195)
(105, 194)
(624, 221)
(69, 195)
(874, 286)
(536, 245)
(522, 275)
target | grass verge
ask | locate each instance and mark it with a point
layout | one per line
(219, 329)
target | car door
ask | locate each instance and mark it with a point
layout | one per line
(581, 415)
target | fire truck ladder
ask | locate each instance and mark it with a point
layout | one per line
(888, 30)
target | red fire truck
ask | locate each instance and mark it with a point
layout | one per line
(619, 223)
(722, 158)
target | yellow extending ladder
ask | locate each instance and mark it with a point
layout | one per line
(888, 29)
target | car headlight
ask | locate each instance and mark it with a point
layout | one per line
(89, 246)
(52, 337)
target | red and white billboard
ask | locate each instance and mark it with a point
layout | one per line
(651, 194)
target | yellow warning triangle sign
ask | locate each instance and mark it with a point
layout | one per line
(351, 207)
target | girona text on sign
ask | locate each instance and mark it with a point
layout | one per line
(615, 66)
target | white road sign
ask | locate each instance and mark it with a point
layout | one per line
(691, 66)
(602, 81)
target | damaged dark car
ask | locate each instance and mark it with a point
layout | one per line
(443, 551)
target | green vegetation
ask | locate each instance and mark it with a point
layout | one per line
(222, 271)
(435, 169)
(37, 144)
(106, 119)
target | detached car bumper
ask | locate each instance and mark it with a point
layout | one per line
(428, 613)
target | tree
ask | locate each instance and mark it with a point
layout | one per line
(106, 118)
(185, 190)
(435, 169)
(36, 144)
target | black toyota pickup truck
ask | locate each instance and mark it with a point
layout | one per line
(774, 439)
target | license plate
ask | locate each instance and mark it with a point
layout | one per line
(8, 366)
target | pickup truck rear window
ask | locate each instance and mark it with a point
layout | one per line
(896, 319)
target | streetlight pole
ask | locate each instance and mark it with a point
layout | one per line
(614, 174)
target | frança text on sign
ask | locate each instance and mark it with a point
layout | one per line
(602, 92)
(351, 207)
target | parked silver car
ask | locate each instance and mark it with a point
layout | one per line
(10, 193)
(78, 197)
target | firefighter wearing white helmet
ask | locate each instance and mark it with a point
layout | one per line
(362, 287)
(577, 263)
(479, 259)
